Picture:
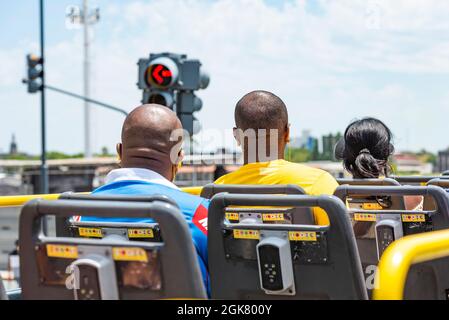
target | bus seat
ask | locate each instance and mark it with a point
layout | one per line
(66, 268)
(281, 261)
(150, 232)
(368, 182)
(416, 180)
(394, 222)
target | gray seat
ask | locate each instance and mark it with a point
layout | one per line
(52, 266)
(368, 182)
(150, 232)
(295, 215)
(416, 180)
(364, 231)
(443, 183)
(427, 280)
(303, 261)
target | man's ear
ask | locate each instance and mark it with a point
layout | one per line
(119, 148)
(235, 132)
(180, 157)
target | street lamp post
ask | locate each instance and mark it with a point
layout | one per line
(86, 18)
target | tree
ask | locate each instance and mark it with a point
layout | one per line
(298, 155)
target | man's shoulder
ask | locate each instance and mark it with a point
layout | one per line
(194, 199)
(148, 188)
(299, 169)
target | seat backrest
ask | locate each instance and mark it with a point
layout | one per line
(429, 203)
(443, 183)
(296, 216)
(397, 261)
(416, 180)
(279, 261)
(115, 268)
(445, 173)
(68, 227)
(395, 222)
(368, 182)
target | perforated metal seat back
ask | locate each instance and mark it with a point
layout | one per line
(295, 216)
(395, 222)
(120, 269)
(315, 262)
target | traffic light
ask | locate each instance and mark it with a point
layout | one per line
(170, 79)
(188, 103)
(35, 73)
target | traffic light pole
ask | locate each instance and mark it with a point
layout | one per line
(44, 189)
(44, 168)
(74, 95)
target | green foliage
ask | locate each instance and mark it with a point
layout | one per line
(298, 155)
(104, 153)
(51, 155)
(427, 157)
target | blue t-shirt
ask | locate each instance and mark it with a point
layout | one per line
(194, 209)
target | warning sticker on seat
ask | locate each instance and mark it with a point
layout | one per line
(140, 233)
(129, 254)
(90, 232)
(302, 236)
(273, 217)
(414, 218)
(232, 216)
(371, 206)
(247, 234)
(364, 217)
(62, 251)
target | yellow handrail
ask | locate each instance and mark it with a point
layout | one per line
(193, 190)
(14, 201)
(397, 259)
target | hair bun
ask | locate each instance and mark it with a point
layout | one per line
(364, 151)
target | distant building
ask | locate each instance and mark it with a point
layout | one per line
(13, 150)
(329, 142)
(303, 141)
(443, 161)
(410, 163)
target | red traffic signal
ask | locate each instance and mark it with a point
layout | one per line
(161, 73)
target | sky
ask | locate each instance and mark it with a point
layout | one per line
(330, 61)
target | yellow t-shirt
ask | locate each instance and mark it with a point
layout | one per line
(313, 181)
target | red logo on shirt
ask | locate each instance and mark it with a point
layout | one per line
(200, 219)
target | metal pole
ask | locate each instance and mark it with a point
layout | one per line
(87, 147)
(74, 95)
(44, 169)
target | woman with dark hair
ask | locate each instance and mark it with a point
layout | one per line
(365, 149)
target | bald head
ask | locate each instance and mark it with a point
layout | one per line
(147, 138)
(261, 115)
(261, 110)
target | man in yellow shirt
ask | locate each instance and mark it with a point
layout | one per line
(263, 131)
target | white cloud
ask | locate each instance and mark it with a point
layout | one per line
(353, 59)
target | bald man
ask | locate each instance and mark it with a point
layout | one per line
(149, 160)
(263, 131)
